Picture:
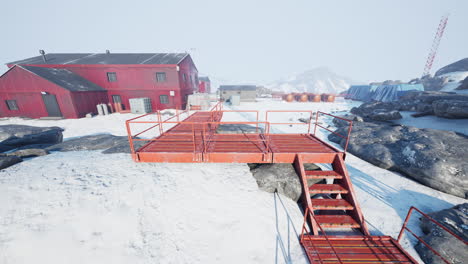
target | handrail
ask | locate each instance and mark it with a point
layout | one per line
(290, 123)
(309, 213)
(350, 127)
(405, 228)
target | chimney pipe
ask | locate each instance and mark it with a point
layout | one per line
(43, 55)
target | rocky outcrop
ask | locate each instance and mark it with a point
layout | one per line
(340, 122)
(383, 115)
(14, 136)
(450, 108)
(7, 161)
(442, 104)
(434, 158)
(28, 153)
(461, 65)
(456, 220)
(463, 85)
(278, 177)
(378, 111)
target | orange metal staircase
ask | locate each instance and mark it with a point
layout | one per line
(332, 207)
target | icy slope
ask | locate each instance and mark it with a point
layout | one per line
(86, 207)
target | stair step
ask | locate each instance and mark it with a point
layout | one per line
(331, 204)
(322, 175)
(336, 221)
(327, 188)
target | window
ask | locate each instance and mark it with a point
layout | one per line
(11, 104)
(112, 76)
(184, 77)
(160, 76)
(164, 99)
(116, 99)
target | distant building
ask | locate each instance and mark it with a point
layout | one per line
(70, 85)
(204, 85)
(247, 93)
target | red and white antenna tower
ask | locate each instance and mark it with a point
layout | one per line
(435, 44)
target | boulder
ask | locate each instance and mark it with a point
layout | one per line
(383, 115)
(27, 153)
(7, 161)
(451, 108)
(94, 142)
(124, 146)
(278, 177)
(463, 85)
(456, 220)
(435, 158)
(340, 122)
(14, 136)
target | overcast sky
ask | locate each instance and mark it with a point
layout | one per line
(247, 41)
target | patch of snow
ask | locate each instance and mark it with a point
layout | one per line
(86, 207)
(454, 80)
(410, 154)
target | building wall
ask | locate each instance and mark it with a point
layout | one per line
(85, 102)
(204, 87)
(245, 96)
(25, 87)
(187, 85)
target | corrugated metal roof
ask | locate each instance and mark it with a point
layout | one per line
(204, 78)
(105, 58)
(65, 79)
(238, 87)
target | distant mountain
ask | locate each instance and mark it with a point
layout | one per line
(318, 80)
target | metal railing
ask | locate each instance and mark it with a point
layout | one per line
(206, 129)
(291, 123)
(350, 127)
(405, 228)
(305, 231)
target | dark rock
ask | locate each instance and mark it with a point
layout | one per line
(340, 122)
(95, 142)
(35, 146)
(278, 177)
(424, 107)
(434, 158)
(304, 120)
(124, 146)
(13, 136)
(7, 161)
(456, 220)
(27, 153)
(451, 108)
(383, 115)
(238, 129)
(461, 65)
(463, 85)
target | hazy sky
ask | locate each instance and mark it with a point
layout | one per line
(246, 40)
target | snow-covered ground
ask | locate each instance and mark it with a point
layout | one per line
(87, 207)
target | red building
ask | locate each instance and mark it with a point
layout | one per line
(70, 85)
(204, 85)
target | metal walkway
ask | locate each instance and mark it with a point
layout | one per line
(334, 229)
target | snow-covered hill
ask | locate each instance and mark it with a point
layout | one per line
(318, 80)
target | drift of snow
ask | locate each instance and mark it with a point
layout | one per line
(318, 80)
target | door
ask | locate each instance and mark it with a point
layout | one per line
(51, 105)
